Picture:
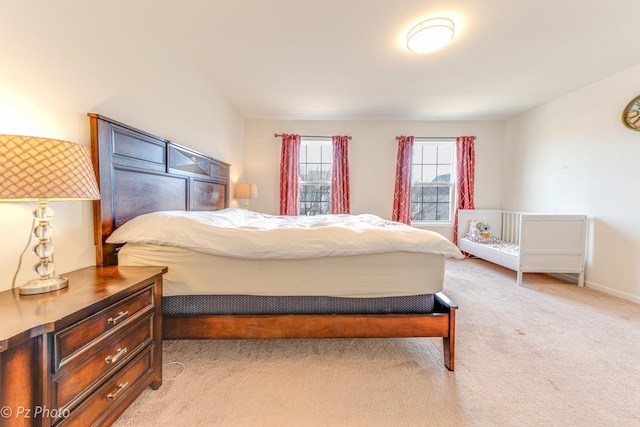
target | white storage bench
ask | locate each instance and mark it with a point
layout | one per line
(528, 242)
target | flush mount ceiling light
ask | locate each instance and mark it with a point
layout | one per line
(430, 35)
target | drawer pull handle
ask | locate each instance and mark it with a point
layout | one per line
(121, 386)
(119, 353)
(114, 320)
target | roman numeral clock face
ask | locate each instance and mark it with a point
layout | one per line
(631, 114)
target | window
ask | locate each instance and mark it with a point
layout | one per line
(315, 176)
(432, 180)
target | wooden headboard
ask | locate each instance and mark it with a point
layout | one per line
(140, 173)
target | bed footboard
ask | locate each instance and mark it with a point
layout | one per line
(440, 323)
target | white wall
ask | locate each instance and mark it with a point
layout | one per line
(574, 155)
(47, 89)
(372, 158)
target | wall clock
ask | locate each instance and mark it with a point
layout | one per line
(631, 114)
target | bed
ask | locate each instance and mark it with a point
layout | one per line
(143, 176)
(526, 242)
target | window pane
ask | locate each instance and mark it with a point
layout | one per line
(315, 176)
(432, 163)
(312, 172)
(445, 154)
(416, 154)
(326, 173)
(444, 173)
(314, 154)
(416, 211)
(429, 173)
(429, 194)
(428, 212)
(430, 154)
(327, 153)
(416, 193)
(416, 173)
(443, 194)
(443, 212)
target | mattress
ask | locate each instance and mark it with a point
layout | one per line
(356, 276)
(506, 256)
(495, 244)
(239, 233)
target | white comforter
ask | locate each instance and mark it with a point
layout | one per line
(244, 234)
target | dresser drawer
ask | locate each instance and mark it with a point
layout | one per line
(73, 380)
(69, 342)
(111, 392)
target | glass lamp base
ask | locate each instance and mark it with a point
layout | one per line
(41, 286)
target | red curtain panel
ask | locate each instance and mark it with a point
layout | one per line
(290, 175)
(465, 177)
(340, 186)
(402, 193)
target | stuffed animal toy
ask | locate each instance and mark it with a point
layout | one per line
(479, 229)
(483, 229)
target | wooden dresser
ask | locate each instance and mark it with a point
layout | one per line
(81, 355)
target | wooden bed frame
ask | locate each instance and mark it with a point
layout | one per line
(140, 173)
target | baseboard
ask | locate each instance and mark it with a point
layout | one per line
(573, 278)
(607, 290)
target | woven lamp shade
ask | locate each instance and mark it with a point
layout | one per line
(33, 168)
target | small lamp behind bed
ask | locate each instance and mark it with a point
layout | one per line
(246, 191)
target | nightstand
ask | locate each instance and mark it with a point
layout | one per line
(81, 355)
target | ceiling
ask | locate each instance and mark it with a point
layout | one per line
(345, 59)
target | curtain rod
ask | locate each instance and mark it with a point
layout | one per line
(432, 137)
(275, 135)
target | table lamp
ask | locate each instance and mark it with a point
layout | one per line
(246, 191)
(42, 170)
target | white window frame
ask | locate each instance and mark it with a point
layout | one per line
(325, 144)
(435, 142)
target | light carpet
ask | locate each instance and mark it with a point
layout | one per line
(547, 353)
